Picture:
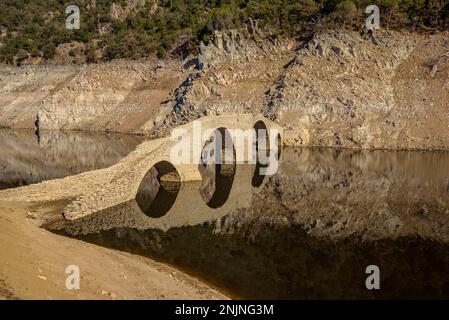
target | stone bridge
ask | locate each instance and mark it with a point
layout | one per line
(189, 209)
(118, 186)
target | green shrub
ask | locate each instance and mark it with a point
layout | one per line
(35, 53)
(49, 51)
(21, 56)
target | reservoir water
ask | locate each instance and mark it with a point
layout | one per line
(307, 232)
(24, 160)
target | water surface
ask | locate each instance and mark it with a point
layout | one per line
(308, 232)
(26, 160)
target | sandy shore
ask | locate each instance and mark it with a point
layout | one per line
(34, 260)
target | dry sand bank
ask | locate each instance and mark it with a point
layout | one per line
(34, 262)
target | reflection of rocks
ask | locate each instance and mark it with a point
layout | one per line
(148, 190)
(309, 232)
(188, 208)
(338, 193)
(208, 175)
(278, 262)
(217, 168)
(216, 179)
(23, 161)
(158, 190)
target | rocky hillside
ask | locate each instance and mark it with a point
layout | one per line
(387, 90)
(355, 91)
(118, 96)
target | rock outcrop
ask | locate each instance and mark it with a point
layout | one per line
(232, 74)
(118, 12)
(338, 91)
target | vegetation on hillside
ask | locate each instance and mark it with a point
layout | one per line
(35, 28)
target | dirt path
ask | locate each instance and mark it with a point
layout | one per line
(33, 264)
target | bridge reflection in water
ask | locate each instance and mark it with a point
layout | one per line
(307, 232)
(187, 206)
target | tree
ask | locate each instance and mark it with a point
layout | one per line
(21, 56)
(346, 11)
(49, 51)
(35, 53)
(390, 9)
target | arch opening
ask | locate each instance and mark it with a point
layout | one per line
(262, 149)
(158, 190)
(278, 146)
(217, 168)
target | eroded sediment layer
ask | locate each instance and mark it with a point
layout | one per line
(118, 96)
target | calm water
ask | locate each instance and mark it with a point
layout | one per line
(24, 160)
(309, 231)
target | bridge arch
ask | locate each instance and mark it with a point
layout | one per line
(158, 189)
(261, 148)
(217, 168)
(262, 140)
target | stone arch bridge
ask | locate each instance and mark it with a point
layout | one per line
(119, 184)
